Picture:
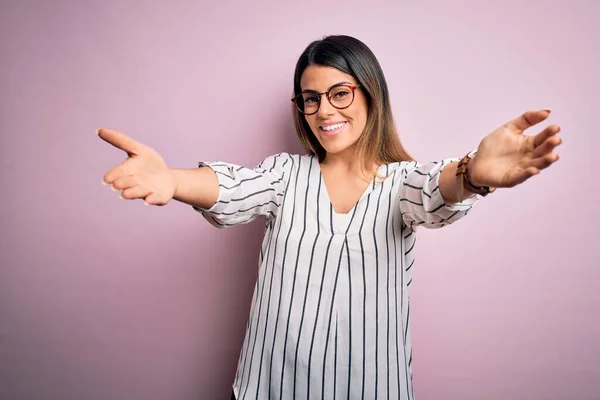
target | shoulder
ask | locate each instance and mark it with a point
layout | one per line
(295, 159)
(284, 155)
(285, 162)
(398, 168)
(277, 160)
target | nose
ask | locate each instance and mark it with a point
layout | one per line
(325, 107)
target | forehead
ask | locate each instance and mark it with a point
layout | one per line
(320, 78)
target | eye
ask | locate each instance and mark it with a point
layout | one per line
(310, 100)
(340, 94)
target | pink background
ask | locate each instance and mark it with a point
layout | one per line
(106, 299)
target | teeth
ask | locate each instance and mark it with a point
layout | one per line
(333, 127)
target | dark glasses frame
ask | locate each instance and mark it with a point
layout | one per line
(296, 99)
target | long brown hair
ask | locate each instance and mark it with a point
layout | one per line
(379, 141)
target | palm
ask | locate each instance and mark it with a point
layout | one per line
(508, 157)
(144, 174)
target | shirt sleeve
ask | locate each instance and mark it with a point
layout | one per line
(247, 193)
(421, 202)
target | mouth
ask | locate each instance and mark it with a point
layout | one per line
(332, 129)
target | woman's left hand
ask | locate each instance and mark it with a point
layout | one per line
(508, 157)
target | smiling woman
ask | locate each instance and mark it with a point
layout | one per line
(354, 72)
(346, 110)
(330, 316)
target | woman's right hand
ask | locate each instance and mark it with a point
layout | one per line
(143, 175)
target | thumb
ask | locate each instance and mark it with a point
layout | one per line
(155, 199)
(120, 141)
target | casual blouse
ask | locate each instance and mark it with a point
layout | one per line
(330, 314)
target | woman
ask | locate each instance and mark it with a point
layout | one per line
(330, 312)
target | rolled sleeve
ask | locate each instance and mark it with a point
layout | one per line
(421, 202)
(248, 193)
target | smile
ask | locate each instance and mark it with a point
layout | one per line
(332, 129)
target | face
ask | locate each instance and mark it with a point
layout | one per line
(336, 130)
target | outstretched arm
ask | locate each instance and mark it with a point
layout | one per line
(226, 194)
(145, 175)
(506, 157)
(431, 194)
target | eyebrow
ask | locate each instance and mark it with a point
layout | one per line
(339, 83)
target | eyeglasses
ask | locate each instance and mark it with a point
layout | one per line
(340, 96)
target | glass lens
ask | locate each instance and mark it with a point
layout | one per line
(341, 96)
(308, 102)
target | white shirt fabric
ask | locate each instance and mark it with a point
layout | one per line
(330, 314)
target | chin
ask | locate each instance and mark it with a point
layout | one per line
(336, 144)
(337, 148)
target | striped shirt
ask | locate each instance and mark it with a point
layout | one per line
(330, 314)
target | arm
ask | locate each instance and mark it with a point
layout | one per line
(505, 158)
(197, 187)
(236, 194)
(226, 194)
(449, 187)
(427, 195)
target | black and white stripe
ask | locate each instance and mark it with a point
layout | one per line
(330, 315)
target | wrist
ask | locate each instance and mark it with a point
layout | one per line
(469, 174)
(175, 182)
(465, 181)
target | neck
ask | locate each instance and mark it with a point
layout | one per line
(346, 163)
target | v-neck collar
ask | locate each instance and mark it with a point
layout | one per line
(365, 193)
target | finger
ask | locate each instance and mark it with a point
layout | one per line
(136, 192)
(120, 141)
(126, 182)
(525, 174)
(528, 119)
(120, 171)
(543, 162)
(549, 131)
(547, 147)
(155, 199)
